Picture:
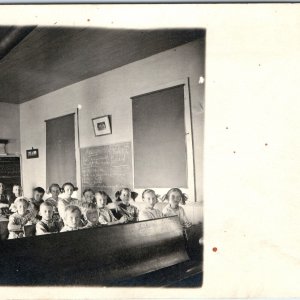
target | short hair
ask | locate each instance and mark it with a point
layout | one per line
(184, 197)
(72, 209)
(88, 190)
(23, 200)
(39, 190)
(52, 186)
(70, 184)
(46, 204)
(148, 191)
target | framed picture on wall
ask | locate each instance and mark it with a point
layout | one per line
(32, 153)
(102, 125)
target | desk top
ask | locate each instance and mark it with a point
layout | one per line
(96, 256)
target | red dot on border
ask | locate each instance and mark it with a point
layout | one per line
(215, 249)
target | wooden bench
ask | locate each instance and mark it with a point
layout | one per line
(98, 256)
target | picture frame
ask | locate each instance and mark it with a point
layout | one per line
(102, 125)
(32, 153)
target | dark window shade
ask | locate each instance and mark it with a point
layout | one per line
(60, 150)
(159, 142)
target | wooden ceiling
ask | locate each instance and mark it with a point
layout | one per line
(50, 58)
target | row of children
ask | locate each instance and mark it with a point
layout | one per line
(62, 212)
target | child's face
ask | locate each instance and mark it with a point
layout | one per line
(125, 197)
(55, 191)
(174, 199)
(68, 190)
(1, 188)
(150, 199)
(37, 196)
(46, 212)
(17, 190)
(101, 200)
(92, 216)
(22, 208)
(72, 219)
(89, 196)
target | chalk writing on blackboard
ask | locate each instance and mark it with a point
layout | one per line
(10, 172)
(107, 167)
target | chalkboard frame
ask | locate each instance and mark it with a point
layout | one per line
(185, 82)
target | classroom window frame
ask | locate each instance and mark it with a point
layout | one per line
(191, 189)
(65, 113)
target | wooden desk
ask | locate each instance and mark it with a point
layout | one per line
(3, 228)
(98, 256)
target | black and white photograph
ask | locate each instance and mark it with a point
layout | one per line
(121, 210)
(101, 126)
(149, 151)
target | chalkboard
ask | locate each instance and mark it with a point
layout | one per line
(107, 167)
(10, 172)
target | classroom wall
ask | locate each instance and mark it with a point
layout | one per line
(10, 126)
(110, 93)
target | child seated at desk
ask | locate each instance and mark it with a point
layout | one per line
(47, 225)
(54, 190)
(88, 200)
(106, 217)
(20, 218)
(125, 208)
(92, 218)
(37, 199)
(72, 218)
(150, 212)
(174, 197)
(67, 199)
(17, 192)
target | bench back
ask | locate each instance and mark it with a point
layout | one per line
(96, 256)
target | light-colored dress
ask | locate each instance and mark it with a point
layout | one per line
(106, 216)
(168, 211)
(150, 214)
(45, 227)
(17, 222)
